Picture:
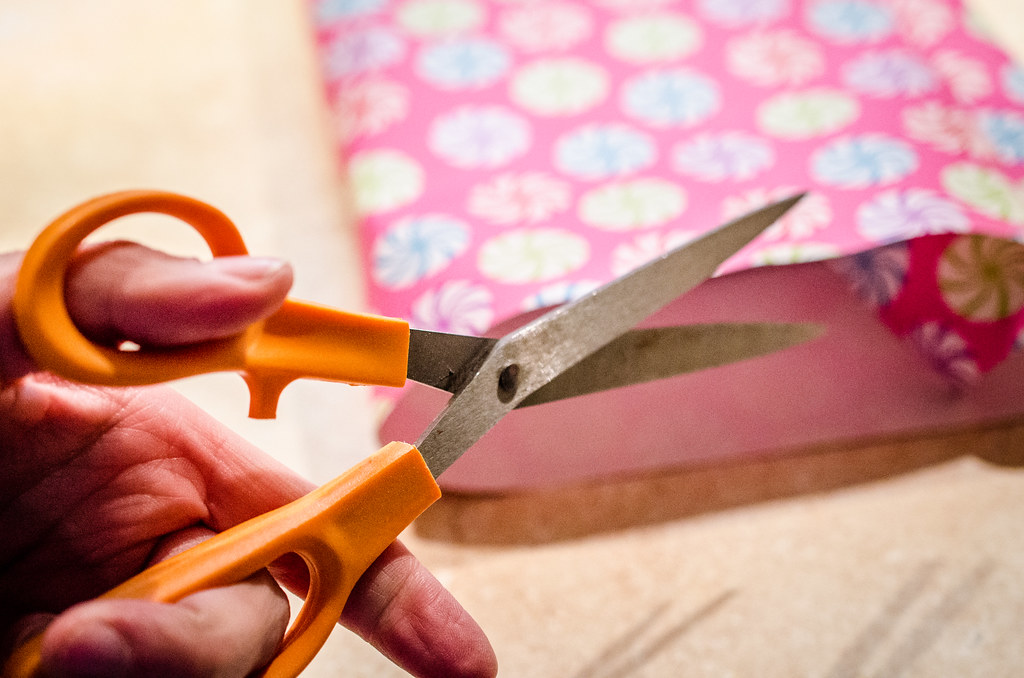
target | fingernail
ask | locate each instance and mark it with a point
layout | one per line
(247, 268)
(97, 650)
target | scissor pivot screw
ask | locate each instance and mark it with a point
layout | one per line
(508, 383)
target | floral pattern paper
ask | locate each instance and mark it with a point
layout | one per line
(506, 156)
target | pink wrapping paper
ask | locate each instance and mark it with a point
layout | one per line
(509, 156)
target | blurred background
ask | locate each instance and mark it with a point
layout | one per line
(917, 574)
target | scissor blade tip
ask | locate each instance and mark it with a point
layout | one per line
(793, 199)
(812, 331)
(803, 333)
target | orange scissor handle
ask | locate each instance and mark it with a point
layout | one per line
(300, 340)
(338, 529)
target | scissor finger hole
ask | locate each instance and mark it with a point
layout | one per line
(160, 232)
(40, 304)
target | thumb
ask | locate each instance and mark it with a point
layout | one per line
(226, 631)
(123, 291)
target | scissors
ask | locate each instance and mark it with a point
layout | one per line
(340, 528)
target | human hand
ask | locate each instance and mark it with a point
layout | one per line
(98, 483)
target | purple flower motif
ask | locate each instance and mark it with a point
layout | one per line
(889, 74)
(877, 275)
(730, 155)
(363, 51)
(457, 306)
(743, 12)
(947, 352)
(898, 215)
(479, 136)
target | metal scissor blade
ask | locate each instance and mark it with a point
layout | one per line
(445, 361)
(656, 353)
(536, 353)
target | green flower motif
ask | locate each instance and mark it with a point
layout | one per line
(653, 38)
(629, 205)
(797, 253)
(982, 278)
(440, 18)
(532, 255)
(384, 180)
(807, 114)
(565, 86)
(986, 190)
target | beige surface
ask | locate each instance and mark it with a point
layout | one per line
(845, 571)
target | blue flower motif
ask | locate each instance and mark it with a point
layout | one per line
(862, 161)
(417, 247)
(603, 151)
(743, 12)
(889, 74)
(851, 21)
(877, 275)
(335, 10)
(361, 51)
(463, 63)
(1005, 130)
(559, 293)
(1013, 82)
(664, 98)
